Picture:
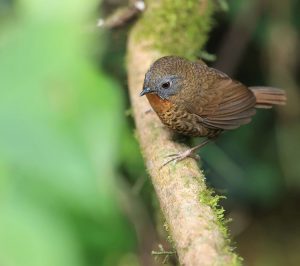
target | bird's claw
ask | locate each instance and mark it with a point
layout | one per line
(177, 157)
(150, 110)
(172, 155)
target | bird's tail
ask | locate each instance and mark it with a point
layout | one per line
(266, 97)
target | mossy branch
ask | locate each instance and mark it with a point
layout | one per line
(194, 221)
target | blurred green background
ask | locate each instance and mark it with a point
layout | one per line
(73, 187)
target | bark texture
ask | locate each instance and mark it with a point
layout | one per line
(193, 224)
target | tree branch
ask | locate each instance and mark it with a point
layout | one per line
(194, 222)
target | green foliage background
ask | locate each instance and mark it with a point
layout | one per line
(61, 123)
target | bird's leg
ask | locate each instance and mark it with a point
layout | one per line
(188, 153)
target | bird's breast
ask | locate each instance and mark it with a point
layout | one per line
(158, 104)
(177, 118)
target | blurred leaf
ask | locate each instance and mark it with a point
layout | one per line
(61, 121)
(208, 57)
(24, 229)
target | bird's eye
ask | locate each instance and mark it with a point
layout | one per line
(166, 85)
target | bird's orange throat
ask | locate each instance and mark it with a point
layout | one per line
(158, 104)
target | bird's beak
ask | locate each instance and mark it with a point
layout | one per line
(146, 91)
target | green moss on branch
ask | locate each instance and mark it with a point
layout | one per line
(177, 27)
(211, 199)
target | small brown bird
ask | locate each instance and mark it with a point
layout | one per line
(196, 100)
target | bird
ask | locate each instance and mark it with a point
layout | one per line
(196, 100)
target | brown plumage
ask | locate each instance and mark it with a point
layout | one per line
(195, 100)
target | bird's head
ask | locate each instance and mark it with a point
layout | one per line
(165, 77)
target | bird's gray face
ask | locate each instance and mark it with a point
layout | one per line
(164, 86)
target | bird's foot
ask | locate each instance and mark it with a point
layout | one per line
(150, 110)
(188, 153)
(177, 157)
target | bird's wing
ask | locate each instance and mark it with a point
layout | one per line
(227, 103)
